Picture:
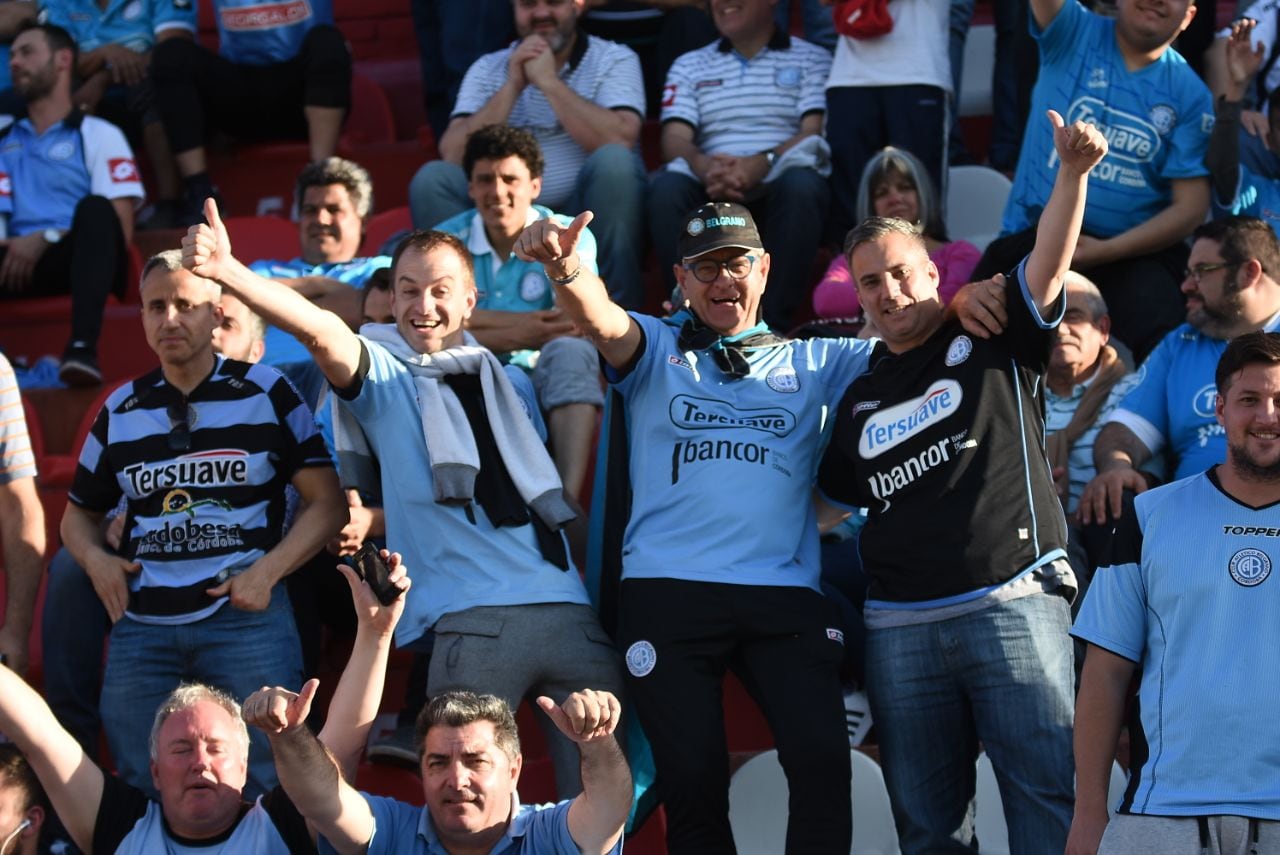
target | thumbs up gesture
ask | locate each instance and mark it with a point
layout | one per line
(552, 244)
(206, 249)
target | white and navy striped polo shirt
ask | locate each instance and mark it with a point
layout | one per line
(743, 106)
(602, 72)
(198, 513)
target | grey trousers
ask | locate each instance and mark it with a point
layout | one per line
(1128, 834)
(518, 652)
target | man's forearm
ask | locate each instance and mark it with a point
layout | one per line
(1166, 228)
(589, 124)
(310, 777)
(1099, 716)
(315, 525)
(356, 699)
(496, 111)
(22, 529)
(82, 534)
(1116, 446)
(1223, 156)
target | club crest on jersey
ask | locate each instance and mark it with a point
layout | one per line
(641, 658)
(61, 151)
(783, 379)
(1204, 400)
(961, 347)
(533, 287)
(1249, 567)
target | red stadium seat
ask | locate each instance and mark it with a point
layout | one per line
(382, 226)
(257, 238)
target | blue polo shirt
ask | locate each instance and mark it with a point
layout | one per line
(44, 176)
(401, 829)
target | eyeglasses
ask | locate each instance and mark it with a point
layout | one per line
(708, 271)
(1197, 273)
(180, 433)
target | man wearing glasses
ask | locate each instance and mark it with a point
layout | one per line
(201, 449)
(1231, 289)
(720, 555)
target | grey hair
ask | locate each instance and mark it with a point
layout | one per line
(170, 261)
(874, 228)
(888, 161)
(1092, 296)
(187, 696)
(338, 170)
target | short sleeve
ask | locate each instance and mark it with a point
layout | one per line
(94, 486)
(118, 812)
(481, 82)
(1060, 39)
(1114, 613)
(813, 86)
(623, 87)
(679, 101)
(305, 446)
(113, 173)
(1145, 410)
(16, 457)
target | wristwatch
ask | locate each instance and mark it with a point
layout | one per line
(770, 156)
(52, 235)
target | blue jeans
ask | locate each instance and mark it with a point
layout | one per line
(1002, 676)
(233, 650)
(791, 212)
(74, 627)
(610, 185)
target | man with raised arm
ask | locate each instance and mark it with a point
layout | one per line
(470, 763)
(468, 486)
(720, 410)
(968, 610)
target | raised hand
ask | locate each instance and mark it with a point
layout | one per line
(585, 716)
(277, 710)
(550, 243)
(1080, 145)
(1244, 57)
(206, 249)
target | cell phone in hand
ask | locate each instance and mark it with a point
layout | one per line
(374, 570)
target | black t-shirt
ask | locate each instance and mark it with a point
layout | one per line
(944, 445)
(123, 806)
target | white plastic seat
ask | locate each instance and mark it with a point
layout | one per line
(975, 203)
(758, 807)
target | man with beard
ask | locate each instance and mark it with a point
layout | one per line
(1137, 616)
(1152, 190)
(1231, 288)
(69, 186)
(582, 97)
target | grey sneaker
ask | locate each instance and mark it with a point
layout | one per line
(80, 366)
(857, 716)
(395, 747)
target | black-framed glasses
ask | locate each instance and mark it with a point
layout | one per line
(180, 430)
(708, 271)
(1197, 273)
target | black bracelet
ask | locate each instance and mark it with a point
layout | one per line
(567, 279)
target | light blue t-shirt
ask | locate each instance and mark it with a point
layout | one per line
(512, 285)
(456, 563)
(284, 349)
(1256, 196)
(403, 829)
(722, 470)
(1157, 120)
(251, 32)
(131, 23)
(1172, 403)
(1189, 596)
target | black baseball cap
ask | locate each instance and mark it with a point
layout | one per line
(717, 225)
